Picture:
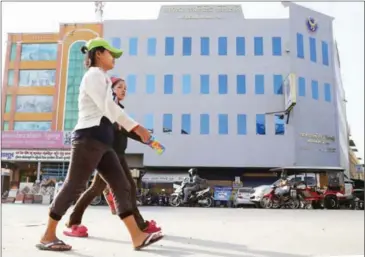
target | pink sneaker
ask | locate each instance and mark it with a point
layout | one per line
(152, 228)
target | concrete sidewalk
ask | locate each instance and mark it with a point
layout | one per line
(196, 232)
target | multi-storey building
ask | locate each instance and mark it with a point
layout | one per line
(231, 95)
(211, 84)
(41, 78)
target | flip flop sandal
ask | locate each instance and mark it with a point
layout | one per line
(77, 231)
(51, 246)
(151, 239)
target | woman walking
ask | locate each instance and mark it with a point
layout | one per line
(99, 186)
(92, 149)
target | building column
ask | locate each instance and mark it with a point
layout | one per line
(38, 173)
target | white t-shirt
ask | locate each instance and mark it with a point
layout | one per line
(95, 101)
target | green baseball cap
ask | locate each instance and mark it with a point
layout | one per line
(101, 42)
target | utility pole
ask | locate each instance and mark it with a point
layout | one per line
(99, 10)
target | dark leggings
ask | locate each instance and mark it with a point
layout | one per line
(86, 156)
(97, 187)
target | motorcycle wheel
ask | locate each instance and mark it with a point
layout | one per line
(208, 202)
(294, 204)
(266, 203)
(96, 201)
(175, 201)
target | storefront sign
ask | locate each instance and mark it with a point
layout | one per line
(35, 155)
(318, 138)
(151, 177)
(202, 9)
(202, 12)
(35, 139)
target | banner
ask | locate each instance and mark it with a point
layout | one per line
(36, 155)
(222, 193)
(35, 139)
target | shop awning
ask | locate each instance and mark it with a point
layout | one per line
(163, 177)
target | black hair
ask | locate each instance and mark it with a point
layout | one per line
(90, 60)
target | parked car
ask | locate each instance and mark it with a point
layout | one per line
(242, 197)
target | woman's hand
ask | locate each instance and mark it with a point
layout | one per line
(143, 133)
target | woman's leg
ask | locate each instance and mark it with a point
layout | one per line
(142, 224)
(95, 189)
(85, 156)
(112, 172)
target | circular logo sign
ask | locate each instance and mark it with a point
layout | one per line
(312, 24)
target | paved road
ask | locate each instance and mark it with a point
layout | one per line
(197, 232)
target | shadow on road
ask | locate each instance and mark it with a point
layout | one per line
(225, 248)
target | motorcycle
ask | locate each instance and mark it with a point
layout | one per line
(163, 199)
(272, 201)
(201, 197)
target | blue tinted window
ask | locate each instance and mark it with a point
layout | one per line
(279, 125)
(278, 84)
(259, 46)
(167, 123)
(148, 122)
(186, 84)
(300, 46)
(241, 124)
(315, 89)
(327, 92)
(13, 52)
(133, 46)
(204, 124)
(39, 52)
(325, 60)
(241, 84)
(222, 84)
(260, 124)
(116, 42)
(150, 84)
(185, 124)
(204, 84)
(151, 46)
(276, 46)
(259, 84)
(204, 46)
(168, 84)
(312, 49)
(169, 46)
(186, 46)
(222, 124)
(222, 46)
(301, 86)
(131, 83)
(240, 46)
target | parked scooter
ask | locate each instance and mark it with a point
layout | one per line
(163, 199)
(272, 201)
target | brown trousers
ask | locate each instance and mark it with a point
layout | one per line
(96, 188)
(86, 156)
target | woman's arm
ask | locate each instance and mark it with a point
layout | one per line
(96, 87)
(131, 135)
(123, 131)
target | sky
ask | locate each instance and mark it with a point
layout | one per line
(348, 30)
